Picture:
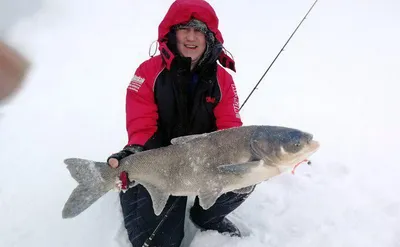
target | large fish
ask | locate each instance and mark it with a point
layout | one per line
(205, 165)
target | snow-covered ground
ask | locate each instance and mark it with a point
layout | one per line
(337, 79)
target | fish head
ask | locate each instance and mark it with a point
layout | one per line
(282, 147)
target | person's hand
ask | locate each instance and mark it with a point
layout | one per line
(13, 68)
(114, 159)
(113, 162)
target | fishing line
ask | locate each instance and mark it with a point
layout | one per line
(255, 87)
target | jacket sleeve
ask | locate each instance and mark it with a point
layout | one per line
(141, 110)
(227, 111)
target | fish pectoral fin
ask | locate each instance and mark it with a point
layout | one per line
(207, 198)
(184, 139)
(238, 169)
(158, 197)
(245, 190)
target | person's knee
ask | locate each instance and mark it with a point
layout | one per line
(140, 220)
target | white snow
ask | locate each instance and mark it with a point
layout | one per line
(337, 79)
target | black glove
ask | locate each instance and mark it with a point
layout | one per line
(128, 150)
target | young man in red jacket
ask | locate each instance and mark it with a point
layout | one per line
(182, 91)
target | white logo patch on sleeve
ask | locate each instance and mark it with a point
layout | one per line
(236, 105)
(136, 83)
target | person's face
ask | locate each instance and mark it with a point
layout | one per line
(191, 43)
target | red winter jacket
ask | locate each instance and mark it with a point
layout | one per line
(158, 105)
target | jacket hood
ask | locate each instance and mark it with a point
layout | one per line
(182, 11)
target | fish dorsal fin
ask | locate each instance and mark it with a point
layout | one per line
(207, 198)
(185, 139)
(158, 197)
(239, 168)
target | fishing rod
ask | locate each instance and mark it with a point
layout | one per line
(149, 240)
(255, 87)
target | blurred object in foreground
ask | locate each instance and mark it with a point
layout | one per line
(13, 69)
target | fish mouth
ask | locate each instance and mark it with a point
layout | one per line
(311, 147)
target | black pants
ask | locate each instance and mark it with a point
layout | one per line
(140, 220)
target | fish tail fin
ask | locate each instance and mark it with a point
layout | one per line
(91, 187)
